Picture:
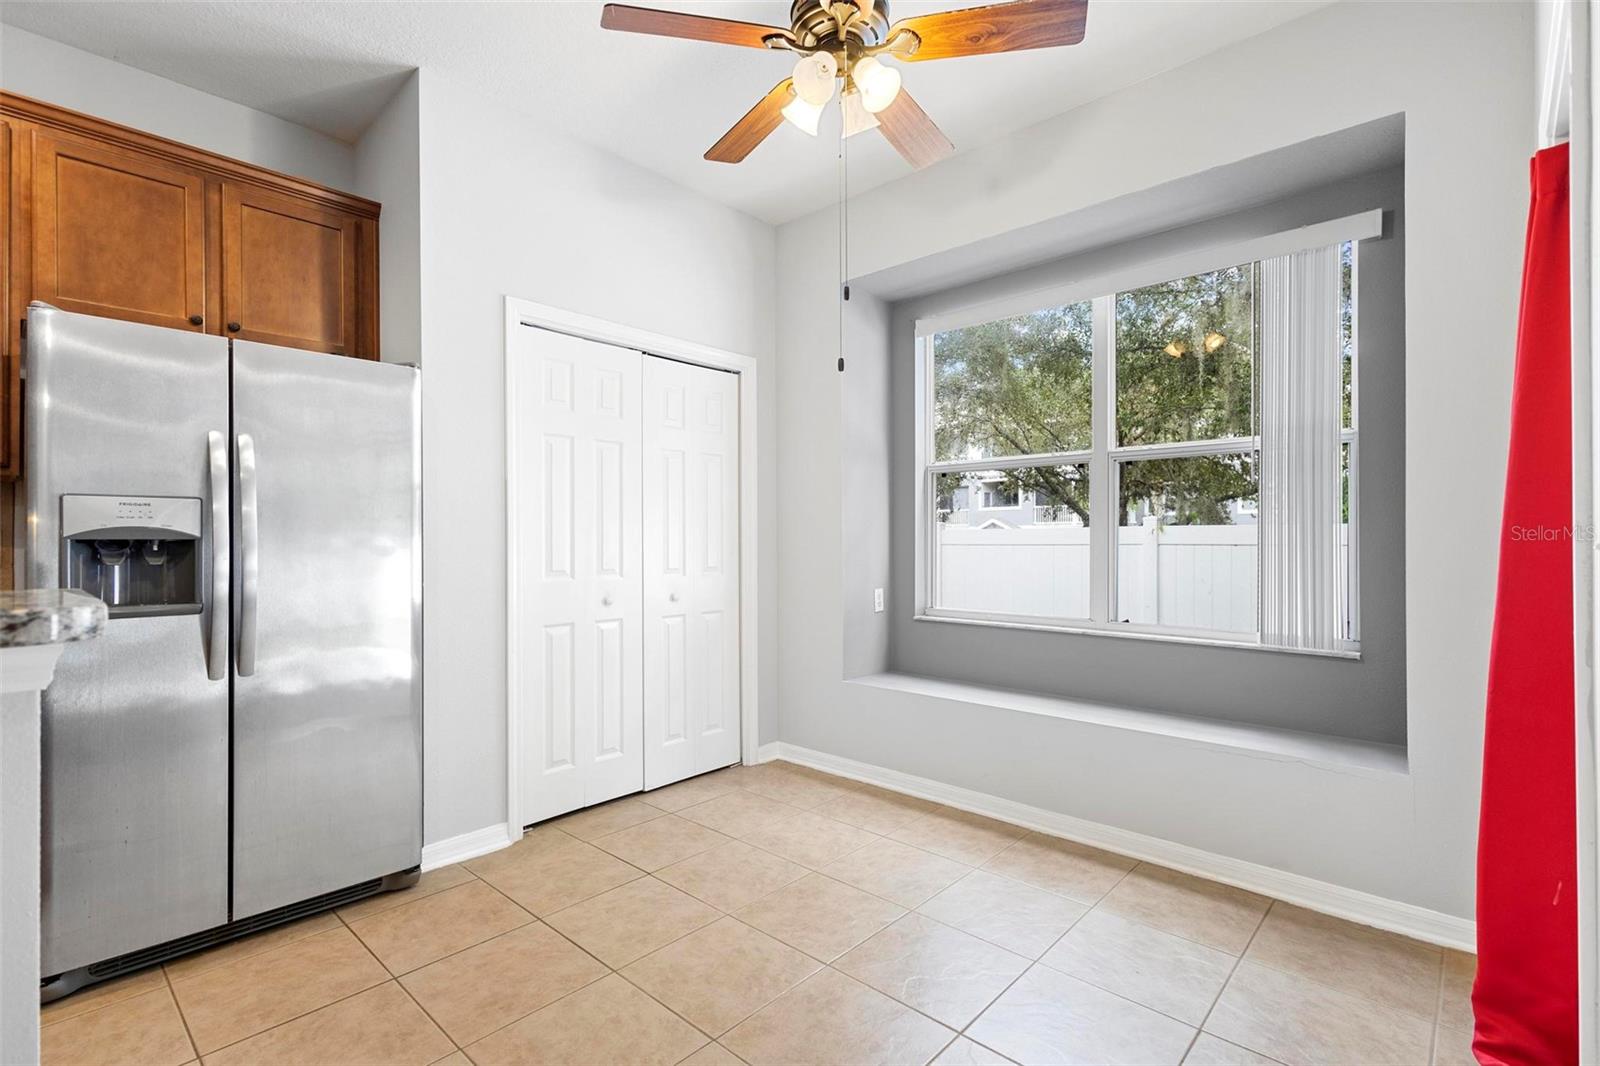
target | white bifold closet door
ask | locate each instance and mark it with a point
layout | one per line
(624, 500)
(691, 570)
(579, 568)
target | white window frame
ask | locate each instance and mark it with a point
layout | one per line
(1104, 457)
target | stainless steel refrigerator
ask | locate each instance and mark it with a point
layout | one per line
(244, 743)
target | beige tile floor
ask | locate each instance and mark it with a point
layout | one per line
(773, 914)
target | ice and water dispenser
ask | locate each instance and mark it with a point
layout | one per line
(139, 554)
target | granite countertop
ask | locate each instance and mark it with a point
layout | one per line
(48, 616)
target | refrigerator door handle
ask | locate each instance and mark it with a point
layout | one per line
(221, 558)
(249, 556)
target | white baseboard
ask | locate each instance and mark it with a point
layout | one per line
(1420, 923)
(768, 752)
(468, 846)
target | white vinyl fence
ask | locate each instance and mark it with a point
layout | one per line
(1197, 576)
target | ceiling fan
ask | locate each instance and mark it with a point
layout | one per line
(843, 40)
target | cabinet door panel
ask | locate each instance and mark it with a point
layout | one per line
(289, 271)
(118, 234)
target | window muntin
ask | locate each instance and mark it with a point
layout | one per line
(1184, 469)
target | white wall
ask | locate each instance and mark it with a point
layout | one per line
(508, 209)
(388, 170)
(1460, 72)
(56, 73)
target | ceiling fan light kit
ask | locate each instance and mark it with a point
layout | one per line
(803, 114)
(847, 40)
(858, 117)
(815, 78)
(879, 84)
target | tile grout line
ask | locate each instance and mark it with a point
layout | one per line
(617, 972)
(182, 1018)
(1039, 961)
(898, 1002)
(969, 868)
(1368, 1000)
(715, 1039)
(426, 1013)
(1438, 1014)
(43, 1024)
(297, 1017)
(876, 838)
(832, 965)
(610, 970)
(834, 775)
(523, 1017)
(1157, 929)
(394, 977)
(578, 947)
(1271, 903)
(166, 977)
(1201, 1028)
(302, 1014)
(879, 837)
(534, 920)
(822, 964)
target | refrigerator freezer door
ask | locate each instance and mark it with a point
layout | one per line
(135, 830)
(327, 695)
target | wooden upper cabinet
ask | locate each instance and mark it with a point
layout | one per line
(289, 271)
(118, 233)
(106, 220)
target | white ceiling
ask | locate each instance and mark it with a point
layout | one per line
(656, 101)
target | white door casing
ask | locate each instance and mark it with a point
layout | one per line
(691, 570)
(578, 570)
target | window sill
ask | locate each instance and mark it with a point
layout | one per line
(1363, 757)
(1119, 632)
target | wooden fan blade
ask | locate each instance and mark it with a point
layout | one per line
(691, 27)
(751, 130)
(1009, 27)
(912, 132)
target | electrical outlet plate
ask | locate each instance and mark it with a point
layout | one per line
(877, 599)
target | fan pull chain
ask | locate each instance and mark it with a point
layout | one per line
(844, 228)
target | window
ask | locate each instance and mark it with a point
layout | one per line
(1173, 455)
(999, 494)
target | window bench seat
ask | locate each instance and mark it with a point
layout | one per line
(1262, 741)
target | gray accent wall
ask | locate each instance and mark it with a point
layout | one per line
(1359, 700)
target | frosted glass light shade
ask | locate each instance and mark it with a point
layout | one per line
(814, 78)
(857, 119)
(879, 84)
(799, 113)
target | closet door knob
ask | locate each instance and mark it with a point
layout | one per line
(605, 601)
(673, 596)
(233, 327)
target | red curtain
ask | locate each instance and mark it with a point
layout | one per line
(1526, 995)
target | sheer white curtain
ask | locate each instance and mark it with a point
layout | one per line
(1301, 413)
